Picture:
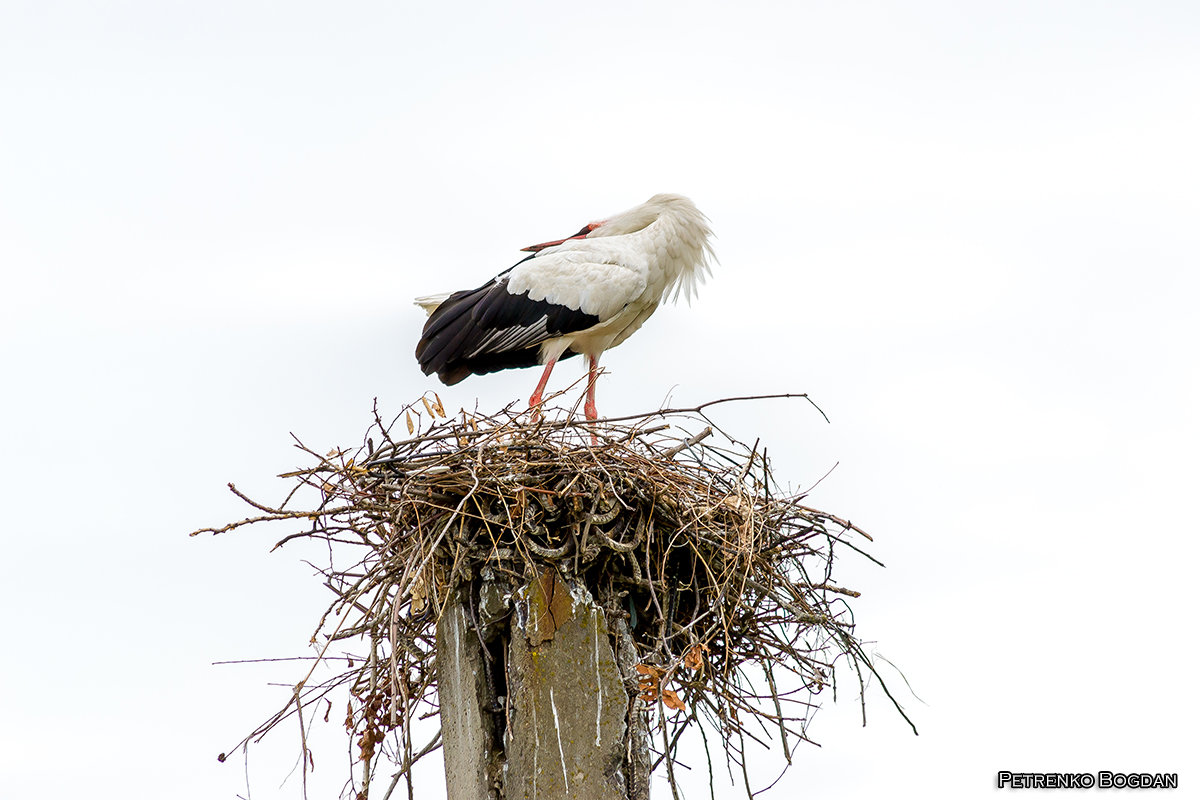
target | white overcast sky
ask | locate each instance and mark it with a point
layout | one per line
(969, 230)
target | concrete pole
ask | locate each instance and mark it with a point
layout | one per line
(566, 709)
(468, 731)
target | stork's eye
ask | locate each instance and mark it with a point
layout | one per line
(586, 229)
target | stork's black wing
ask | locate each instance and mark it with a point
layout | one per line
(489, 329)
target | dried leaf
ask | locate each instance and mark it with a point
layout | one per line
(672, 701)
(649, 680)
(367, 742)
(694, 658)
(408, 419)
(419, 594)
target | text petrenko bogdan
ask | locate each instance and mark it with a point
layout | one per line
(1086, 780)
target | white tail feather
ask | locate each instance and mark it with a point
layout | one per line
(431, 302)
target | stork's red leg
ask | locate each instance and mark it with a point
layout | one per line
(589, 407)
(535, 400)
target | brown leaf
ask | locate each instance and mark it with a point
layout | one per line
(671, 700)
(694, 658)
(419, 593)
(366, 743)
(649, 684)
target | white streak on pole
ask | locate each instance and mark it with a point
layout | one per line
(561, 755)
(599, 685)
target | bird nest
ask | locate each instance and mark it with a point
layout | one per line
(721, 583)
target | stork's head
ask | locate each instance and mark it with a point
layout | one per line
(631, 221)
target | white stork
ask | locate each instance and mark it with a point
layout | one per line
(579, 295)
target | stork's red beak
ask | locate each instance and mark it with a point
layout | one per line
(533, 248)
(583, 232)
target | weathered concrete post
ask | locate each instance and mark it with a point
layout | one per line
(565, 710)
(468, 732)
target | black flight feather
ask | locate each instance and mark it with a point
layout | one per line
(489, 329)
